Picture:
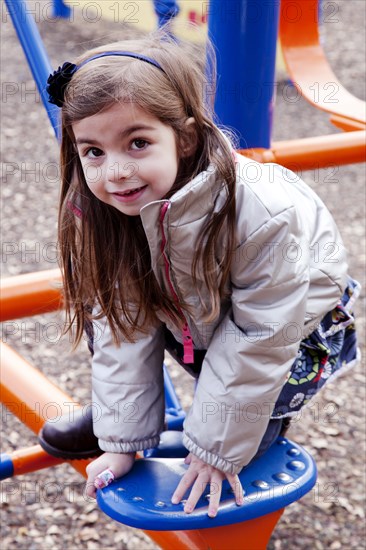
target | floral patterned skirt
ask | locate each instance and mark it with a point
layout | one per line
(324, 354)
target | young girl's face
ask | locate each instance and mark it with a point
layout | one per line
(129, 157)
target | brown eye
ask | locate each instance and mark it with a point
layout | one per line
(139, 144)
(94, 152)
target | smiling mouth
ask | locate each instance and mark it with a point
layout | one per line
(130, 192)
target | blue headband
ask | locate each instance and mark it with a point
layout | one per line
(58, 81)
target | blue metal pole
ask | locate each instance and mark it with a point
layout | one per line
(165, 10)
(174, 414)
(6, 466)
(244, 33)
(35, 53)
(60, 9)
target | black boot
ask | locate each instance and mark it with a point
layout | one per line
(71, 436)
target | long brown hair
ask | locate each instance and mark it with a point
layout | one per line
(104, 252)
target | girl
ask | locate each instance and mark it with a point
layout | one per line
(167, 242)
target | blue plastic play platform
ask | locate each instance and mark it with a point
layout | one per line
(142, 498)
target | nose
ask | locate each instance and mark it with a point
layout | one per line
(119, 170)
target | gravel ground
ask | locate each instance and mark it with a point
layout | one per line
(47, 509)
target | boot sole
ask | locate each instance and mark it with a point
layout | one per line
(67, 455)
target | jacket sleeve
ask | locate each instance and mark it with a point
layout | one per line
(253, 348)
(128, 390)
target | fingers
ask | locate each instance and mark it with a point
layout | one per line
(93, 469)
(237, 488)
(102, 471)
(104, 479)
(183, 486)
(101, 480)
(199, 476)
(198, 487)
(215, 481)
(200, 482)
(214, 497)
(188, 459)
(90, 489)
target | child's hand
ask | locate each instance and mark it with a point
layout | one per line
(199, 474)
(119, 463)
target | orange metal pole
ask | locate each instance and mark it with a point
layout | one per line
(179, 540)
(30, 294)
(315, 152)
(346, 124)
(30, 396)
(32, 459)
(308, 66)
(253, 534)
(27, 393)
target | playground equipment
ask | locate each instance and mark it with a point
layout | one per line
(142, 499)
(292, 471)
(312, 75)
(244, 98)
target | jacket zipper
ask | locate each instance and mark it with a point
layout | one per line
(188, 355)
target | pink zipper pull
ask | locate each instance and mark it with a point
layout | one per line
(188, 356)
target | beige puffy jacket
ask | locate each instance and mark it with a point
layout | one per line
(288, 270)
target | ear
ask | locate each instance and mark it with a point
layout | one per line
(189, 138)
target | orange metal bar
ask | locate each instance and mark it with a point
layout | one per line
(30, 396)
(315, 152)
(346, 124)
(27, 393)
(30, 294)
(32, 459)
(307, 64)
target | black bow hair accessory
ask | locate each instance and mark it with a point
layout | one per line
(58, 81)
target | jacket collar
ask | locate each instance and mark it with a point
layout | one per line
(190, 203)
